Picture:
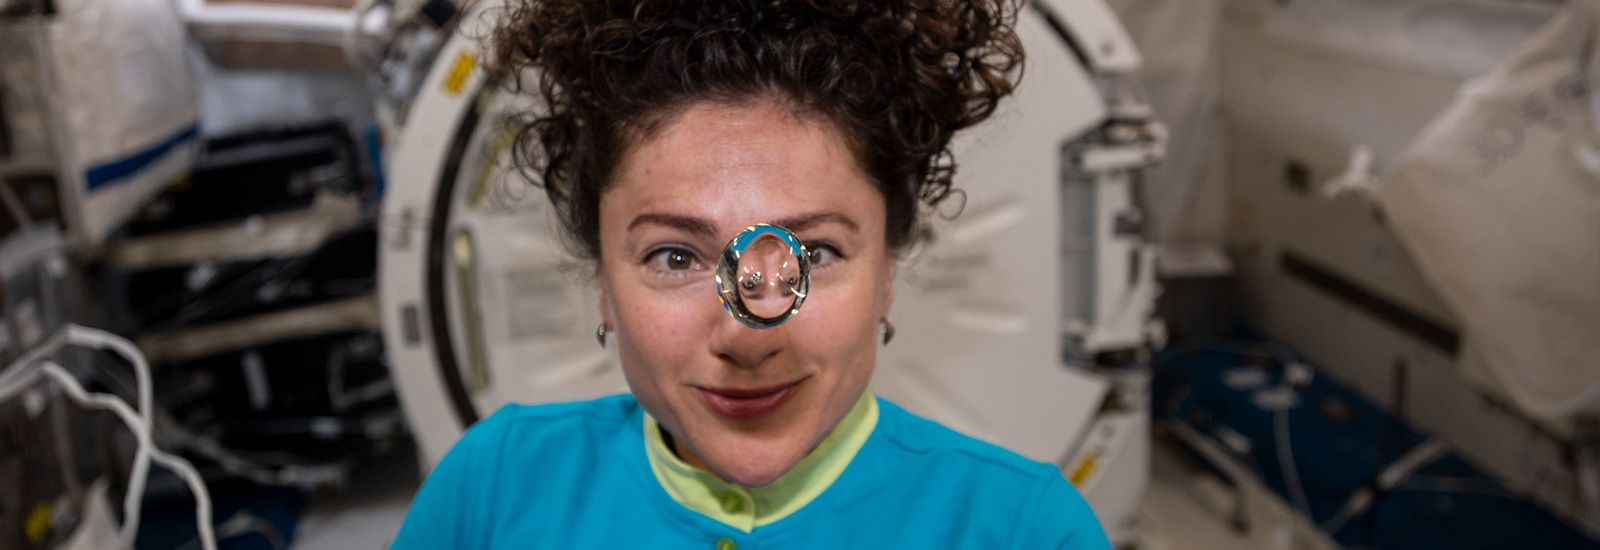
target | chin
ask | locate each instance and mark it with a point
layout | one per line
(754, 461)
(754, 474)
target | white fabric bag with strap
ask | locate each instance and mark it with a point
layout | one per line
(1499, 202)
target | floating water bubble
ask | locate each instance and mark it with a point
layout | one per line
(763, 276)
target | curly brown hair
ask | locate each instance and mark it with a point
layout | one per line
(897, 77)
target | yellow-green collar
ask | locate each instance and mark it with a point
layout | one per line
(746, 508)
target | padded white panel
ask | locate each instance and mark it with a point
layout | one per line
(978, 312)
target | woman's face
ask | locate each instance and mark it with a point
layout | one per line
(745, 403)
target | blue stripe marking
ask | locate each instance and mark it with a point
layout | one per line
(108, 173)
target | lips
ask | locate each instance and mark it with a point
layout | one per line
(746, 403)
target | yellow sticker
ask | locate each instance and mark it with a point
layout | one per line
(459, 73)
(37, 523)
(1082, 472)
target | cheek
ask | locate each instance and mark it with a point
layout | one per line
(839, 324)
(662, 335)
(661, 331)
(655, 350)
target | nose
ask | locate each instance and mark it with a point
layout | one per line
(743, 346)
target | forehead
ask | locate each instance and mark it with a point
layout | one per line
(741, 165)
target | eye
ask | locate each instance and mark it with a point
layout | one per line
(822, 254)
(672, 259)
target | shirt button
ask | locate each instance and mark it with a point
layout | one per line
(731, 503)
(726, 543)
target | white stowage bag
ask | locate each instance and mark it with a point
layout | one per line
(128, 103)
(1499, 202)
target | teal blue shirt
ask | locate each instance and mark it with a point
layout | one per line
(577, 475)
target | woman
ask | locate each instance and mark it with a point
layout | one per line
(672, 126)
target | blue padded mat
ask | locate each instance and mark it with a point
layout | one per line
(1340, 441)
(168, 516)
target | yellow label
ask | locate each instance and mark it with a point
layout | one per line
(459, 73)
(37, 523)
(1082, 472)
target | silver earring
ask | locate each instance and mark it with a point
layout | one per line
(886, 328)
(600, 334)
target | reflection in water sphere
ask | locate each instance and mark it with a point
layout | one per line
(768, 273)
(763, 276)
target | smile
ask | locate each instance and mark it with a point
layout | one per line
(746, 404)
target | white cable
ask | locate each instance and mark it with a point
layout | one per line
(140, 475)
(1390, 476)
(20, 375)
(284, 473)
(1358, 503)
(1280, 417)
(1291, 475)
(15, 371)
(141, 432)
(197, 486)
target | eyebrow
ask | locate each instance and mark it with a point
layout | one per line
(702, 227)
(801, 223)
(698, 226)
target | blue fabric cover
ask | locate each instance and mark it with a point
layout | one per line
(575, 475)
